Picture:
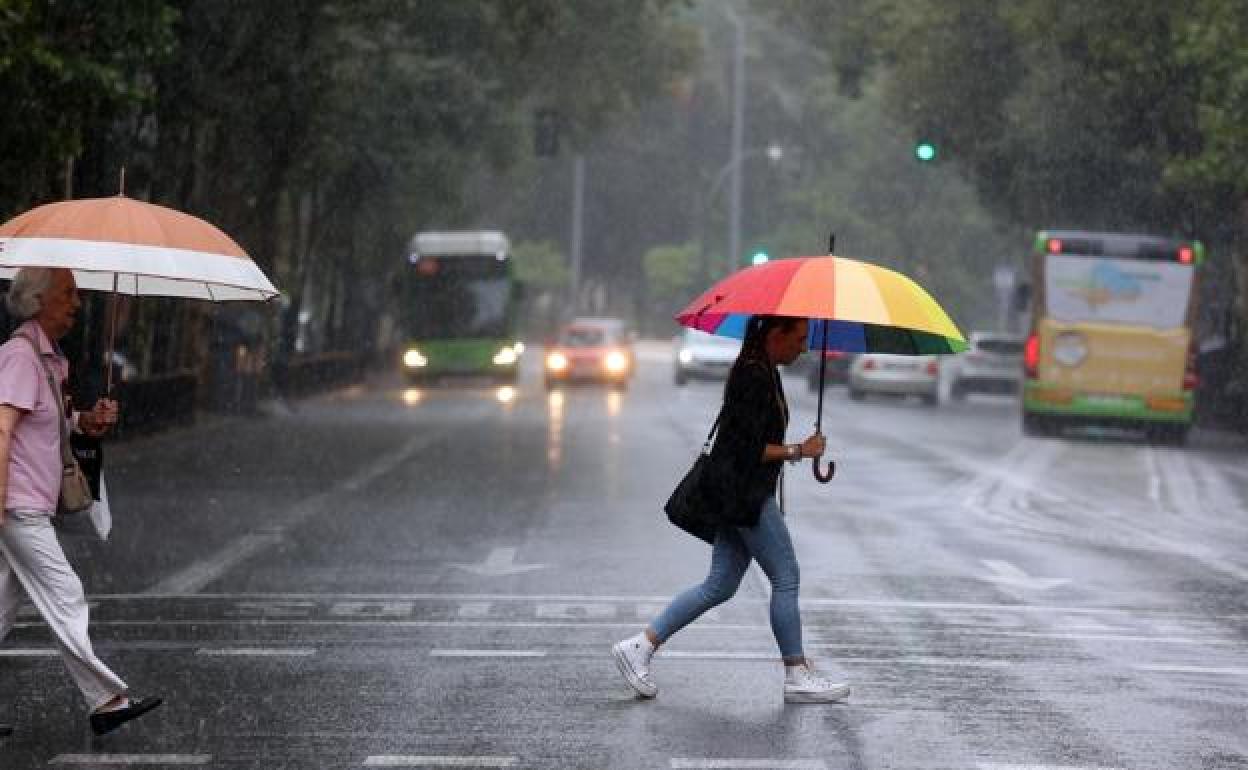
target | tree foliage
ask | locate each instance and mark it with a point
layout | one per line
(319, 133)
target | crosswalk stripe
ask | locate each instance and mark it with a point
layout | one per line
(131, 759)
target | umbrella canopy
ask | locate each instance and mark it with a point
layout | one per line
(862, 308)
(131, 247)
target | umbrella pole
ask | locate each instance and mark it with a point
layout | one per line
(112, 336)
(822, 476)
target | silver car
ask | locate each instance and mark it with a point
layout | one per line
(992, 363)
(895, 375)
(703, 356)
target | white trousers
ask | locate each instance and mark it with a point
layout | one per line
(31, 560)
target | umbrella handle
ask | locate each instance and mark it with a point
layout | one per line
(823, 477)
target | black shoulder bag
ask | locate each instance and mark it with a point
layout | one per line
(694, 504)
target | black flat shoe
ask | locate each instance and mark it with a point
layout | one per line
(103, 722)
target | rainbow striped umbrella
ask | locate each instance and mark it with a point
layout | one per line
(852, 306)
(862, 308)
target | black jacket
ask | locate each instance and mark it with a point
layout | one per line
(755, 414)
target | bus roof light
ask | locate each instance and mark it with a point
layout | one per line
(1186, 255)
(1055, 246)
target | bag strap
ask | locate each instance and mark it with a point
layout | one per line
(67, 459)
(706, 445)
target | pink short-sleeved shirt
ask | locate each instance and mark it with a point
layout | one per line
(35, 451)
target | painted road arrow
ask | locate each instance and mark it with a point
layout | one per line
(1007, 574)
(501, 561)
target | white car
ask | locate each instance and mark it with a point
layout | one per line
(704, 356)
(895, 375)
(992, 363)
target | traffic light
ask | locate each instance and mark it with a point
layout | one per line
(759, 257)
(925, 151)
(546, 133)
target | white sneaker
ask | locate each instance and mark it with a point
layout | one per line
(633, 658)
(802, 684)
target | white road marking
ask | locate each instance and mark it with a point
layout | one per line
(393, 760)
(208, 570)
(957, 662)
(751, 764)
(205, 571)
(998, 766)
(773, 657)
(1109, 637)
(1170, 669)
(260, 652)
(738, 600)
(444, 653)
(400, 624)
(1154, 477)
(1006, 574)
(131, 759)
(29, 653)
(499, 563)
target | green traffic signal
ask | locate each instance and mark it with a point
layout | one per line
(925, 151)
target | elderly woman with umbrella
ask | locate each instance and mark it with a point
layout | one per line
(32, 427)
(778, 308)
(115, 244)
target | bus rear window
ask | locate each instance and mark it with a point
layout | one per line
(1117, 291)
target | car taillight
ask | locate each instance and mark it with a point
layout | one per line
(1191, 380)
(933, 368)
(1031, 355)
(869, 364)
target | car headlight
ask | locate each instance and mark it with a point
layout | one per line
(414, 359)
(519, 348)
(556, 362)
(685, 356)
(616, 362)
(505, 357)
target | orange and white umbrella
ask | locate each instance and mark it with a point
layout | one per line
(131, 247)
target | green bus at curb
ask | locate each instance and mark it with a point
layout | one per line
(459, 313)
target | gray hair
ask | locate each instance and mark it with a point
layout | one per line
(25, 297)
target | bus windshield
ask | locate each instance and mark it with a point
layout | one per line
(1081, 289)
(459, 297)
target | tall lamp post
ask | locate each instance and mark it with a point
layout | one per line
(738, 135)
(731, 170)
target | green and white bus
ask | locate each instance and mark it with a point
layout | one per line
(460, 307)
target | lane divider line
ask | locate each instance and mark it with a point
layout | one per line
(750, 764)
(131, 759)
(274, 652)
(395, 760)
(448, 653)
(1164, 668)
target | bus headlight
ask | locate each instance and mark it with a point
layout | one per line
(519, 348)
(556, 362)
(505, 357)
(616, 362)
(414, 359)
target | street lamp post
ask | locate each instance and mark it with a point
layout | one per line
(738, 136)
(730, 170)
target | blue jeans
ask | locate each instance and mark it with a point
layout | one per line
(769, 543)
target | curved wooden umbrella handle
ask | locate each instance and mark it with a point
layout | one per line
(823, 477)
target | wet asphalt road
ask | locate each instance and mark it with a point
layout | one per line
(393, 577)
